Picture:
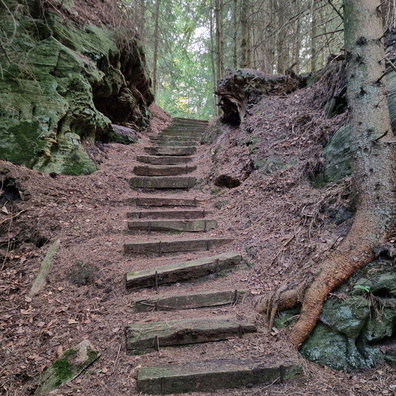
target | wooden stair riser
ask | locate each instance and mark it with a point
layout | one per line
(171, 151)
(168, 214)
(182, 132)
(166, 202)
(164, 160)
(178, 246)
(164, 170)
(175, 138)
(173, 225)
(178, 120)
(146, 337)
(163, 183)
(209, 376)
(175, 143)
(183, 271)
(188, 301)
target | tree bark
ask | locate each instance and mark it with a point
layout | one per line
(235, 34)
(246, 45)
(156, 45)
(282, 53)
(373, 145)
(213, 56)
(219, 12)
(314, 23)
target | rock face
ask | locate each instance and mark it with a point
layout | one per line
(64, 83)
(337, 153)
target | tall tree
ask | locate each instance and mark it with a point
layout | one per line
(219, 13)
(246, 44)
(156, 44)
(374, 151)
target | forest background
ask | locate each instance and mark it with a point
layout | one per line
(191, 44)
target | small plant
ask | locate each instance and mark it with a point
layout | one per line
(362, 288)
(215, 191)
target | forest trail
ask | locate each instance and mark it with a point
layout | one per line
(171, 219)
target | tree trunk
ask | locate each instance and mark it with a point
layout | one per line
(235, 35)
(140, 17)
(156, 45)
(212, 55)
(314, 23)
(219, 12)
(246, 45)
(297, 37)
(373, 145)
(281, 9)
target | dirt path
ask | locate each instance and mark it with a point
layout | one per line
(86, 295)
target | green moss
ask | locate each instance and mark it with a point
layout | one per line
(62, 368)
(47, 107)
(21, 144)
(215, 191)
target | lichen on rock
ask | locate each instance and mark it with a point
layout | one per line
(62, 86)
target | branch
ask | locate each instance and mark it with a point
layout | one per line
(336, 10)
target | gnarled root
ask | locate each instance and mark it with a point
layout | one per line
(286, 297)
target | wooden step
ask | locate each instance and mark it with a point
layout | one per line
(172, 151)
(189, 121)
(164, 160)
(188, 132)
(165, 182)
(146, 337)
(209, 376)
(163, 170)
(176, 143)
(183, 120)
(172, 273)
(168, 214)
(175, 138)
(188, 301)
(201, 225)
(174, 246)
(163, 201)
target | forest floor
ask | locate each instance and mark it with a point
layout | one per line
(280, 223)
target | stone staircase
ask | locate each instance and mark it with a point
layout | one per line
(164, 204)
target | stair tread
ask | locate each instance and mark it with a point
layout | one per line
(183, 225)
(164, 159)
(171, 150)
(174, 201)
(180, 271)
(174, 246)
(144, 337)
(163, 182)
(210, 375)
(168, 213)
(188, 301)
(163, 170)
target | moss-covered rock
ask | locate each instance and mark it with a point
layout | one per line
(357, 322)
(62, 85)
